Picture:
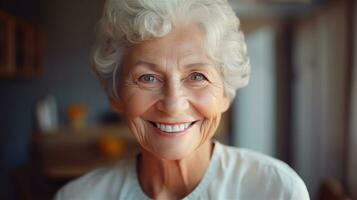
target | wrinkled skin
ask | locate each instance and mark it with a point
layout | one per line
(171, 80)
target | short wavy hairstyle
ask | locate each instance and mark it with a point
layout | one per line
(125, 23)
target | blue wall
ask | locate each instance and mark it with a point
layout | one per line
(70, 26)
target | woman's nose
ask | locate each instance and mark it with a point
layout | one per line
(174, 100)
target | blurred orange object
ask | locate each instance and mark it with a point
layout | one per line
(111, 146)
(77, 114)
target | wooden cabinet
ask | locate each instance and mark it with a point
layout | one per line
(22, 47)
(68, 153)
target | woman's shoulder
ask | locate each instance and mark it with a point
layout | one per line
(247, 157)
(103, 183)
(253, 171)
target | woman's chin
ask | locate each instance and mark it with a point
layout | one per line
(172, 152)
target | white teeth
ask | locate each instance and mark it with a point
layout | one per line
(182, 126)
(173, 128)
(168, 128)
(176, 128)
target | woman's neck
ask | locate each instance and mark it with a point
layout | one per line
(173, 179)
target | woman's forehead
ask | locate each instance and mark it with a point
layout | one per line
(181, 43)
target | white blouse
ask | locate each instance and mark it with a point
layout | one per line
(233, 173)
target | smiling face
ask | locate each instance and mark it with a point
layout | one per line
(171, 93)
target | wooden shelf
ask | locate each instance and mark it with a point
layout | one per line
(22, 47)
(70, 153)
(20, 73)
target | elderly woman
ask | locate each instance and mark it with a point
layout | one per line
(171, 68)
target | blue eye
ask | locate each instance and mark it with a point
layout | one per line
(147, 78)
(197, 77)
(149, 81)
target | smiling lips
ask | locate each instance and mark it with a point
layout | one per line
(172, 128)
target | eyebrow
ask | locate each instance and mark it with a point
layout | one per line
(200, 64)
(141, 62)
(152, 65)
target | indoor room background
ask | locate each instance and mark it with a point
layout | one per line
(300, 105)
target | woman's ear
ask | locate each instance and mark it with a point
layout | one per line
(116, 104)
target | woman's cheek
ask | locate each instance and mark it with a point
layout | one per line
(137, 128)
(137, 103)
(209, 127)
(206, 103)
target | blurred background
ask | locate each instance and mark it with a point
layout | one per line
(300, 106)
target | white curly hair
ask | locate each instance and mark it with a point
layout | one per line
(128, 22)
